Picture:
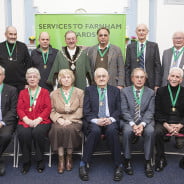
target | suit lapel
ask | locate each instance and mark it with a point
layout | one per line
(4, 97)
(110, 53)
(169, 60)
(148, 50)
(95, 55)
(144, 98)
(182, 61)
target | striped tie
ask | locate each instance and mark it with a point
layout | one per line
(102, 106)
(175, 62)
(141, 57)
(137, 108)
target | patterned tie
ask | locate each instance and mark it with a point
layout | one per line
(102, 105)
(141, 57)
(175, 62)
(137, 108)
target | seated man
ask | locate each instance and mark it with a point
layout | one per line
(101, 111)
(8, 120)
(169, 114)
(137, 105)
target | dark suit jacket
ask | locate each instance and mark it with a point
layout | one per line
(163, 106)
(166, 63)
(8, 104)
(152, 63)
(147, 107)
(91, 104)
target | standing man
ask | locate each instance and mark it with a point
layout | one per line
(108, 56)
(143, 54)
(72, 57)
(137, 106)
(43, 58)
(101, 112)
(173, 57)
(8, 116)
(169, 114)
(15, 58)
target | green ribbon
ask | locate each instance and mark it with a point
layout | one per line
(173, 101)
(140, 51)
(45, 56)
(69, 97)
(34, 97)
(101, 95)
(176, 56)
(138, 99)
(104, 52)
(1, 87)
(10, 52)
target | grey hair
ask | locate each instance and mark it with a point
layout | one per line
(177, 69)
(33, 70)
(138, 69)
(2, 69)
(96, 71)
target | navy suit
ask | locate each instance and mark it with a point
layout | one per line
(90, 111)
(9, 115)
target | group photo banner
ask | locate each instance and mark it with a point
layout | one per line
(85, 26)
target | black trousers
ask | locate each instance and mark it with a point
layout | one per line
(38, 135)
(111, 133)
(6, 133)
(160, 132)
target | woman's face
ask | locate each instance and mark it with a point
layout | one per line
(32, 80)
(66, 80)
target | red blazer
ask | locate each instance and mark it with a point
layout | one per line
(42, 108)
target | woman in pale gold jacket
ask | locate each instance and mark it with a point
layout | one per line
(67, 104)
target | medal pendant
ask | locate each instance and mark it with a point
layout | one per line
(101, 103)
(45, 66)
(67, 107)
(173, 109)
(10, 58)
(30, 109)
(101, 59)
(72, 67)
(137, 60)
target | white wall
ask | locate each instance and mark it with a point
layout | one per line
(170, 18)
(3, 20)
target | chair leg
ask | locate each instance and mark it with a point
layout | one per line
(14, 150)
(50, 156)
(17, 155)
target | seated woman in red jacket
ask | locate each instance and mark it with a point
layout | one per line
(33, 108)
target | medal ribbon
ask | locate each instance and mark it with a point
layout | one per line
(140, 51)
(173, 101)
(101, 95)
(1, 87)
(104, 52)
(45, 56)
(69, 97)
(138, 99)
(8, 49)
(176, 56)
(31, 100)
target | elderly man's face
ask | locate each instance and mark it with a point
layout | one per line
(174, 78)
(11, 35)
(2, 76)
(142, 32)
(44, 41)
(178, 40)
(101, 77)
(103, 37)
(138, 79)
(71, 40)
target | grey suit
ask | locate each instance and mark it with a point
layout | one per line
(146, 115)
(115, 64)
(166, 63)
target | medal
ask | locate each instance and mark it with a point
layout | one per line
(67, 107)
(45, 56)
(30, 109)
(10, 53)
(72, 66)
(44, 66)
(101, 103)
(173, 109)
(102, 54)
(101, 59)
(137, 60)
(10, 58)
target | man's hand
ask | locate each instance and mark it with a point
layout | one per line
(138, 129)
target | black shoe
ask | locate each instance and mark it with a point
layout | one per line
(40, 166)
(128, 167)
(148, 169)
(181, 163)
(160, 164)
(2, 168)
(25, 168)
(83, 173)
(135, 139)
(118, 173)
